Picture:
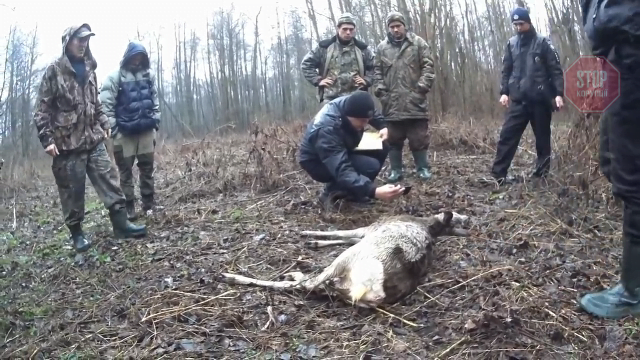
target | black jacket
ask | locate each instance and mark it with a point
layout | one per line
(330, 138)
(531, 70)
(611, 22)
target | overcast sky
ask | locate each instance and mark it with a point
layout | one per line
(115, 22)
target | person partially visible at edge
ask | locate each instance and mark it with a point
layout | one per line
(327, 151)
(532, 87)
(613, 29)
(129, 96)
(403, 76)
(72, 128)
(339, 65)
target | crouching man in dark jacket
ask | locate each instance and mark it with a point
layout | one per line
(327, 150)
(613, 29)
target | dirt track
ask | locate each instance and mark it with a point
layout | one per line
(507, 292)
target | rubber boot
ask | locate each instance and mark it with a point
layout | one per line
(422, 164)
(131, 210)
(80, 243)
(395, 162)
(624, 298)
(122, 228)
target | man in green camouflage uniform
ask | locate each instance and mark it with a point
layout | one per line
(403, 75)
(339, 65)
(72, 128)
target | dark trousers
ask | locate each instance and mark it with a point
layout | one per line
(71, 170)
(517, 117)
(416, 130)
(367, 163)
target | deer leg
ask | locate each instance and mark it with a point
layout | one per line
(316, 244)
(236, 279)
(340, 234)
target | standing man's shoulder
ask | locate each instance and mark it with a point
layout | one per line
(324, 44)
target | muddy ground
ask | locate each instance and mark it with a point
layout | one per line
(507, 292)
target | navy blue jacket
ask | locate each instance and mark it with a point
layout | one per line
(330, 138)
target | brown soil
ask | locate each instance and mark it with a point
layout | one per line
(507, 292)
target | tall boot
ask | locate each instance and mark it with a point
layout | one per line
(130, 205)
(422, 164)
(395, 162)
(122, 228)
(624, 298)
(80, 243)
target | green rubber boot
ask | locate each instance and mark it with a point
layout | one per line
(422, 164)
(395, 162)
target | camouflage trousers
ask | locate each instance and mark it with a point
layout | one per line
(71, 170)
(416, 130)
(126, 150)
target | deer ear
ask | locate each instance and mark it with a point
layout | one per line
(446, 219)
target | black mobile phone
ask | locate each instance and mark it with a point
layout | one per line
(406, 190)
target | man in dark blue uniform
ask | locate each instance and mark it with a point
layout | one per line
(613, 29)
(532, 86)
(327, 150)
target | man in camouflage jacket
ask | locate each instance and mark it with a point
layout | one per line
(403, 75)
(339, 65)
(72, 128)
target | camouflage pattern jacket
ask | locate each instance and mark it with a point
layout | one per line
(332, 59)
(403, 75)
(68, 114)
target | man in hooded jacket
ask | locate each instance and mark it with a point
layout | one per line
(613, 29)
(72, 128)
(130, 99)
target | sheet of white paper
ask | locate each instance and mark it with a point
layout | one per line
(370, 141)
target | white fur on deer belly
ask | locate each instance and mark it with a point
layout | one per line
(366, 278)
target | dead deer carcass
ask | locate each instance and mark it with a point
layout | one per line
(387, 262)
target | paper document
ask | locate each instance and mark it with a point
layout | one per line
(370, 141)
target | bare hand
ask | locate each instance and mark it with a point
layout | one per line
(359, 81)
(504, 100)
(559, 102)
(52, 150)
(326, 82)
(108, 132)
(389, 192)
(384, 134)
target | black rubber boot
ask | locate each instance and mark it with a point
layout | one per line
(624, 298)
(122, 228)
(131, 210)
(395, 163)
(80, 243)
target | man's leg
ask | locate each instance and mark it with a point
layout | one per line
(397, 135)
(516, 120)
(541, 126)
(605, 154)
(146, 149)
(125, 167)
(624, 298)
(70, 172)
(370, 162)
(419, 139)
(103, 176)
(318, 172)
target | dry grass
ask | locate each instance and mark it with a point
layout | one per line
(232, 204)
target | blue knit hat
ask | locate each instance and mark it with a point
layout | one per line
(520, 14)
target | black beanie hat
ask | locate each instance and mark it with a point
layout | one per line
(520, 14)
(359, 104)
